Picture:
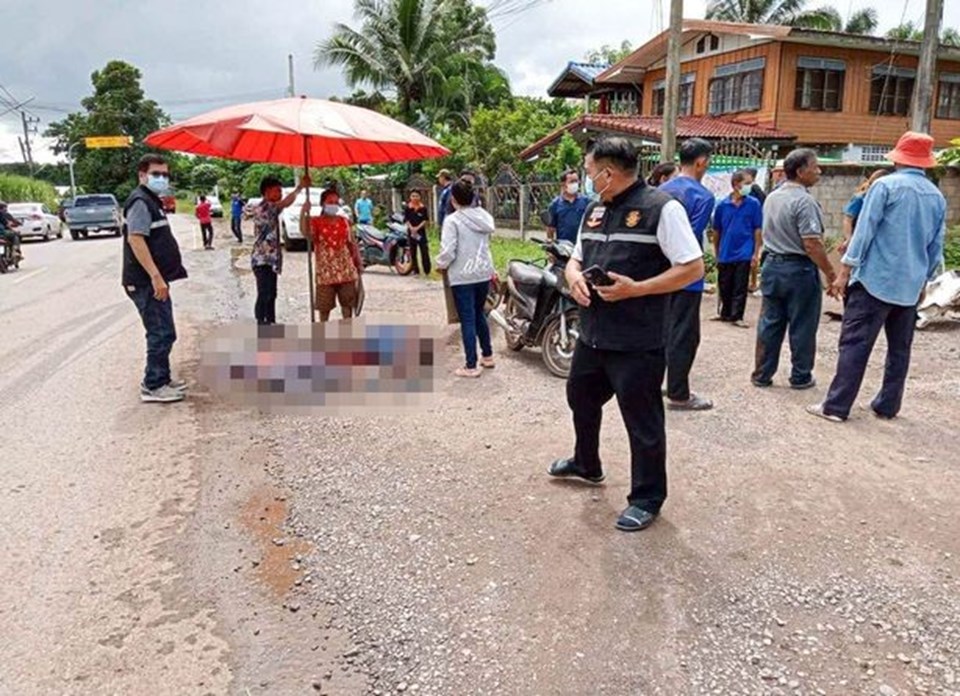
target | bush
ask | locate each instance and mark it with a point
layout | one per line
(15, 189)
(951, 249)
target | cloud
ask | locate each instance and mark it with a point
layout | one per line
(194, 52)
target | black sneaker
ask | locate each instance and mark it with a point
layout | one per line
(761, 383)
(633, 519)
(804, 385)
(567, 469)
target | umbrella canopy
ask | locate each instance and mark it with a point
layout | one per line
(288, 131)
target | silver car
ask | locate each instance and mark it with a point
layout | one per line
(36, 220)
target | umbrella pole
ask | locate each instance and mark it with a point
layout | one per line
(310, 277)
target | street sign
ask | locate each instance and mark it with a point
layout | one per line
(100, 141)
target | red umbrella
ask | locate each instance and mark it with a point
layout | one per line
(298, 132)
(285, 131)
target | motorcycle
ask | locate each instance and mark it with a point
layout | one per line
(389, 248)
(536, 309)
(10, 255)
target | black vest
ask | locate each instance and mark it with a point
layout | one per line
(161, 243)
(621, 236)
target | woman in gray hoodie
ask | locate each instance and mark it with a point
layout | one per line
(466, 259)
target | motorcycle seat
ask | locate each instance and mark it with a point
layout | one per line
(371, 231)
(524, 274)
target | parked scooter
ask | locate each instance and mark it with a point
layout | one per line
(385, 248)
(536, 309)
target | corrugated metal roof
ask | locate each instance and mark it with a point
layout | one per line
(651, 128)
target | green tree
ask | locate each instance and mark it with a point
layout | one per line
(399, 43)
(607, 55)
(458, 87)
(860, 22)
(788, 12)
(909, 31)
(117, 106)
(204, 176)
(250, 182)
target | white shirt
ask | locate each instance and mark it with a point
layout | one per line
(674, 235)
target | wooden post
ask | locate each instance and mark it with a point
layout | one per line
(524, 192)
(927, 68)
(671, 107)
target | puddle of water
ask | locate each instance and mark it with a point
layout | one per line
(263, 515)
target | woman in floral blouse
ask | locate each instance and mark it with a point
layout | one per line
(337, 262)
(267, 257)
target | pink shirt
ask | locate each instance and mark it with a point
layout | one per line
(203, 212)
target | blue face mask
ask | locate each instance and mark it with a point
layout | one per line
(158, 184)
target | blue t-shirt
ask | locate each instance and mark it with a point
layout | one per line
(236, 207)
(736, 225)
(854, 206)
(364, 210)
(698, 202)
(566, 216)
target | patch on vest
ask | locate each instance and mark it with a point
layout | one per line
(596, 216)
(632, 219)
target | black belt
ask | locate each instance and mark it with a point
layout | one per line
(784, 257)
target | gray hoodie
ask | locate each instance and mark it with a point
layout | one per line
(465, 246)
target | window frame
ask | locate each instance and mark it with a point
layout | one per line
(895, 94)
(808, 70)
(730, 88)
(951, 82)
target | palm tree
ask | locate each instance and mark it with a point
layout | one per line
(400, 42)
(912, 32)
(860, 22)
(788, 12)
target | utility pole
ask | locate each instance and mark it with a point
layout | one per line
(671, 107)
(73, 181)
(291, 91)
(927, 68)
(28, 152)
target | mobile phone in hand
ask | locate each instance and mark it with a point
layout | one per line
(597, 277)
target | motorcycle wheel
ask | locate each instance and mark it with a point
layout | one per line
(558, 357)
(401, 261)
(514, 340)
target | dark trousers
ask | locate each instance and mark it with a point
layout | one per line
(469, 300)
(423, 246)
(683, 339)
(157, 318)
(792, 300)
(733, 280)
(206, 231)
(863, 317)
(235, 227)
(635, 379)
(265, 308)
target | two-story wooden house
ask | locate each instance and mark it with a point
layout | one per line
(776, 86)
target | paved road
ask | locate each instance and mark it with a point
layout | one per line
(203, 549)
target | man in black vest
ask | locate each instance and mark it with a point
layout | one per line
(641, 240)
(151, 260)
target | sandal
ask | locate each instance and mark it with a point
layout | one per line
(472, 372)
(487, 362)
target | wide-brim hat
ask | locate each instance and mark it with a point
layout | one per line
(913, 150)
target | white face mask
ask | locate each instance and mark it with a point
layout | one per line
(331, 209)
(573, 188)
(599, 192)
(745, 190)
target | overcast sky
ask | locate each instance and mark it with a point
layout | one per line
(196, 55)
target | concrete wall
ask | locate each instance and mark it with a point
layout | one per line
(950, 185)
(839, 182)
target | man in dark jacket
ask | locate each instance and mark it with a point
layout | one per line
(151, 260)
(634, 248)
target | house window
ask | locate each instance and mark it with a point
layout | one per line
(708, 42)
(948, 96)
(891, 90)
(820, 84)
(875, 153)
(736, 87)
(686, 95)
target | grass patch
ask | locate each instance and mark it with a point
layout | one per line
(186, 207)
(951, 249)
(503, 249)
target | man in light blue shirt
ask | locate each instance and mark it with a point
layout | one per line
(364, 209)
(897, 247)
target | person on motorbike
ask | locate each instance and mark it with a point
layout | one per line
(8, 226)
(337, 262)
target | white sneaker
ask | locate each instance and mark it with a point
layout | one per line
(178, 384)
(164, 395)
